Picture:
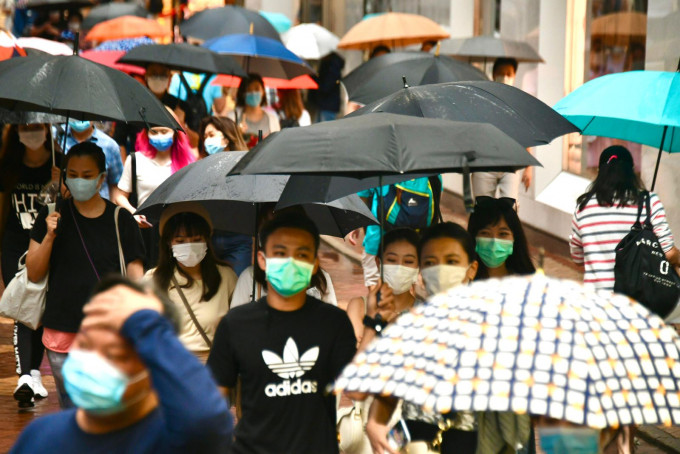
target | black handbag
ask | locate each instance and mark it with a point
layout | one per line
(642, 271)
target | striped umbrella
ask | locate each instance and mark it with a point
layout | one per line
(528, 345)
(9, 47)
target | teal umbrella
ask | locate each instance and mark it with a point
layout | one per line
(640, 106)
(279, 21)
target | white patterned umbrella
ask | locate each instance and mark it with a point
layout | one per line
(528, 345)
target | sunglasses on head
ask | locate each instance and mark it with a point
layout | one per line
(485, 200)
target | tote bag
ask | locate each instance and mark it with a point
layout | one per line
(23, 300)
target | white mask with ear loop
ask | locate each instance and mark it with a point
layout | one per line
(400, 278)
(441, 278)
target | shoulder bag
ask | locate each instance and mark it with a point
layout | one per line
(642, 271)
(191, 313)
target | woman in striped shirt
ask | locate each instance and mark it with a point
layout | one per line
(606, 213)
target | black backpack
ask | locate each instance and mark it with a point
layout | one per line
(413, 206)
(194, 108)
(642, 271)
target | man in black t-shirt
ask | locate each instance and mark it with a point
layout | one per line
(285, 348)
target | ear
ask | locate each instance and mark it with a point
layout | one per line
(472, 271)
(102, 179)
(261, 260)
(316, 265)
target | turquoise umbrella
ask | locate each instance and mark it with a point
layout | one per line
(279, 21)
(640, 106)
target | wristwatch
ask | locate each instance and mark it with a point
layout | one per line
(377, 324)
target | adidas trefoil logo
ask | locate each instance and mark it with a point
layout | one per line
(291, 366)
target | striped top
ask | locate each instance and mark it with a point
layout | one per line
(596, 230)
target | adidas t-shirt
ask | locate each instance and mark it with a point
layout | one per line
(285, 361)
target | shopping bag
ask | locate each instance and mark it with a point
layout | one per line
(23, 300)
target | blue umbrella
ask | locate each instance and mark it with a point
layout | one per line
(124, 44)
(264, 56)
(640, 106)
(278, 20)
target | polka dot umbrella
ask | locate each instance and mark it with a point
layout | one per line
(528, 345)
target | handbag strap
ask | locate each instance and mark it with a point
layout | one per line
(644, 203)
(121, 256)
(191, 313)
(82, 240)
(134, 195)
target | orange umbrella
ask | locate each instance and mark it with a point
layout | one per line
(127, 27)
(304, 81)
(9, 47)
(393, 30)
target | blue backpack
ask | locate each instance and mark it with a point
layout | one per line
(407, 208)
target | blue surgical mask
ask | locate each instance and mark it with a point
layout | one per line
(253, 98)
(79, 126)
(162, 142)
(94, 384)
(569, 440)
(213, 145)
(83, 189)
(288, 276)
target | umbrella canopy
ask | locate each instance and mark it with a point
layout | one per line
(11, 117)
(531, 345)
(518, 114)
(211, 23)
(279, 21)
(78, 88)
(124, 45)
(385, 144)
(393, 30)
(490, 47)
(640, 106)
(381, 76)
(264, 56)
(110, 58)
(183, 57)
(127, 27)
(57, 4)
(299, 82)
(45, 45)
(232, 201)
(108, 11)
(619, 29)
(10, 47)
(310, 41)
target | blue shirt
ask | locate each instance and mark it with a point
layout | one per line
(372, 238)
(210, 92)
(192, 416)
(114, 163)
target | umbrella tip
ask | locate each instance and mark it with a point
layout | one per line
(439, 47)
(405, 83)
(541, 259)
(251, 28)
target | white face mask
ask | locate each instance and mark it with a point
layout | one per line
(190, 254)
(400, 278)
(33, 139)
(507, 80)
(157, 84)
(440, 278)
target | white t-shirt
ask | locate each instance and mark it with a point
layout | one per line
(208, 313)
(150, 175)
(244, 290)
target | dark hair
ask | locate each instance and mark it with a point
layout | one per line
(12, 156)
(380, 48)
(448, 230)
(401, 234)
(504, 61)
(616, 181)
(193, 225)
(293, 217)
(243, 87)
(489, 212)
(229, 130)
(90, 149)
(291, 103)
(112, 280)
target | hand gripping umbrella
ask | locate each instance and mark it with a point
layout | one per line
(228, 20)
(382, 75)
(528, 345)
(640, 106)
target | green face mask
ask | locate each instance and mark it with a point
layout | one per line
(493, 251)
(288, 276)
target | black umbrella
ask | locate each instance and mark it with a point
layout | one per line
(112, 10)
(74, 87)
(12, 117)
(381, 76)
(518, 114)
(385, 144)
(227, 20)
(232, 201)
(57, 4)
(490, 47)
(183, 57)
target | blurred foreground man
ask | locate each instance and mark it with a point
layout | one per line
(136, 388)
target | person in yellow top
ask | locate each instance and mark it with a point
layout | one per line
(198, 284)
